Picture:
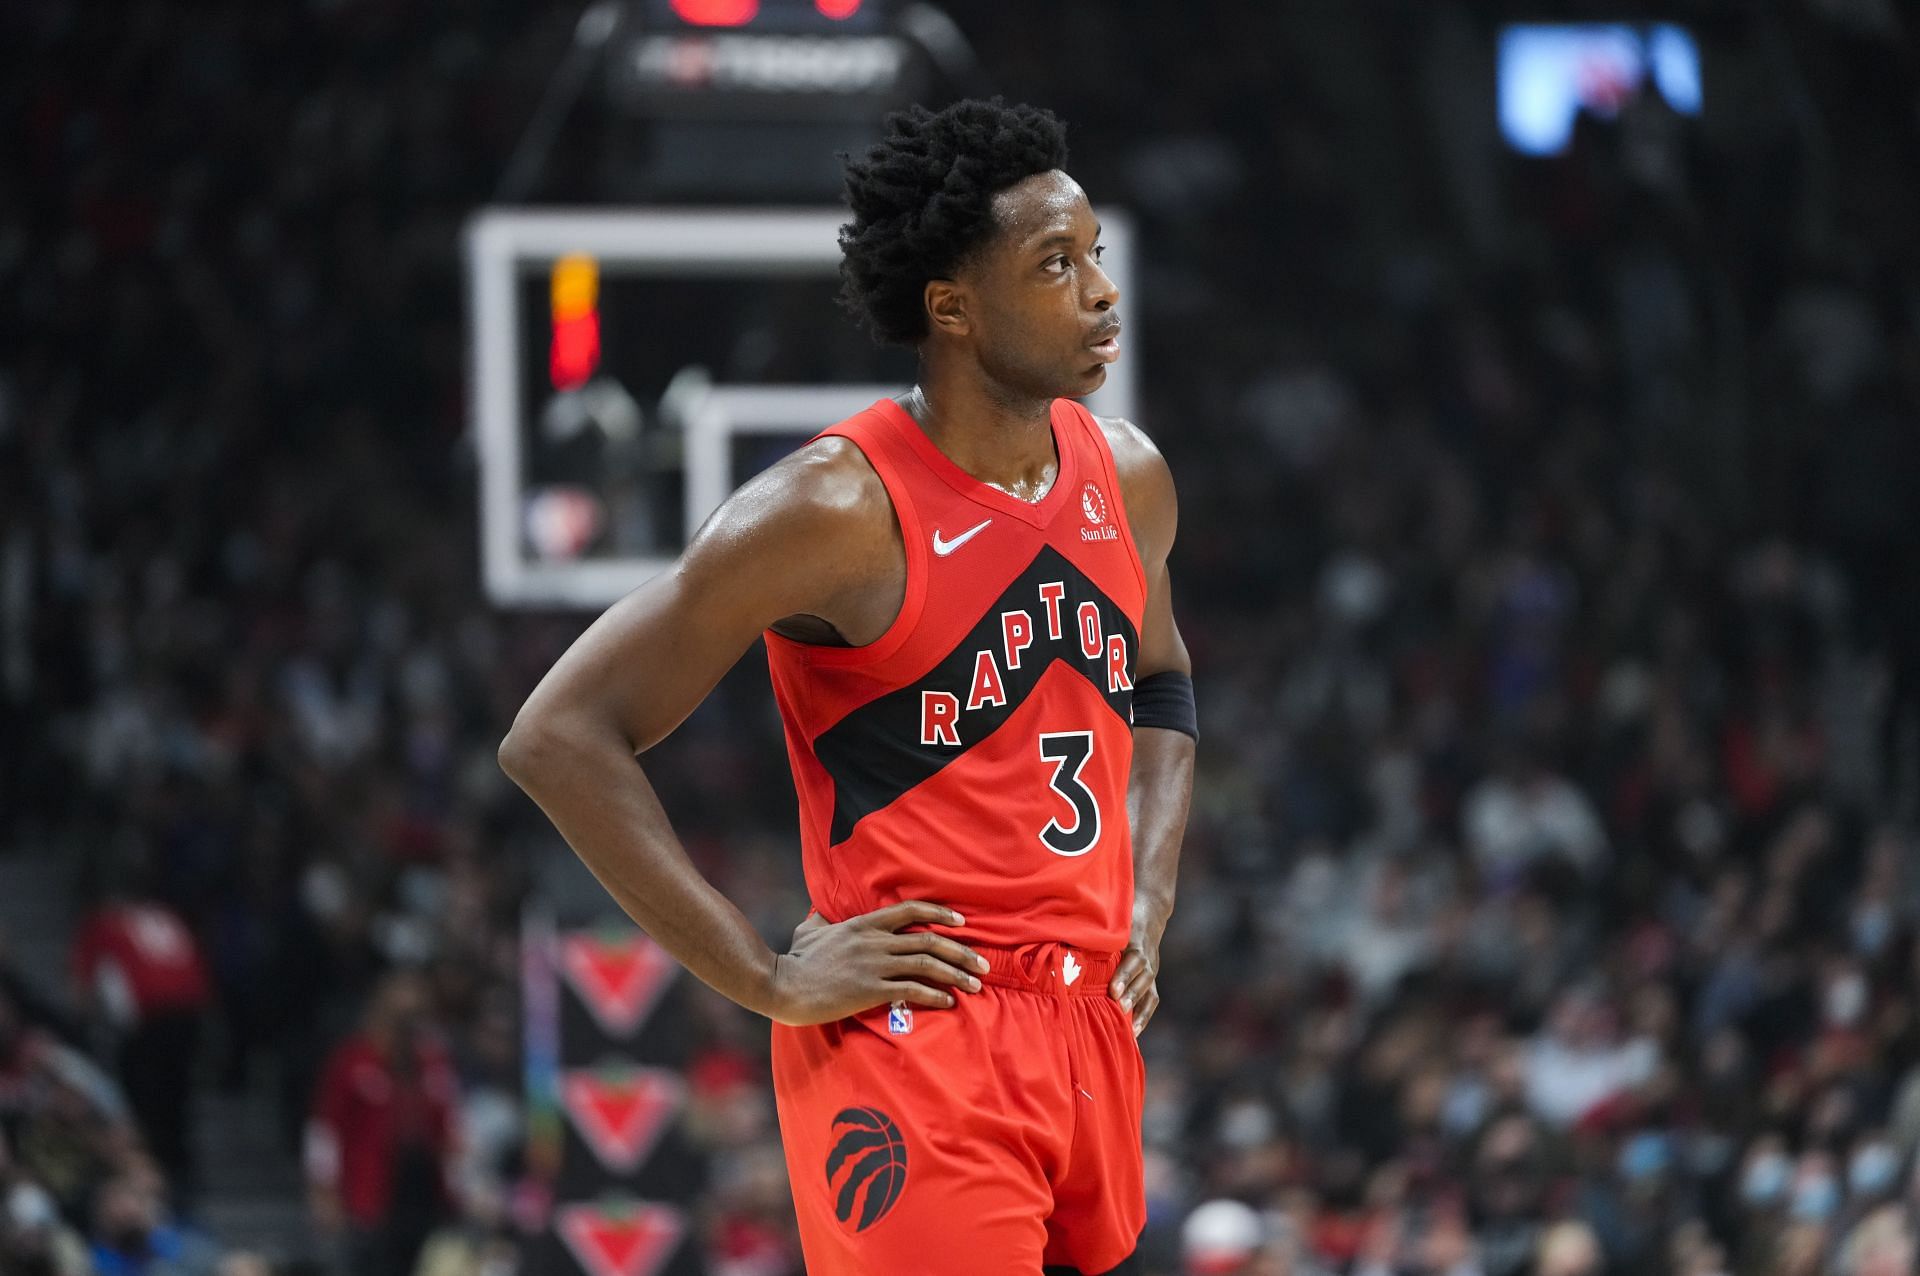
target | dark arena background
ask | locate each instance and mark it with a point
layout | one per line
(1542, 383)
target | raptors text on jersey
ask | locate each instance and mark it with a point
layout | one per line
(977, 753)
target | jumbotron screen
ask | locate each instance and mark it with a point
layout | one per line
(1550, 73)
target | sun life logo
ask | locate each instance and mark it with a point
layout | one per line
(1094, 505)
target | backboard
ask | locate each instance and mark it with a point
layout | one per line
(631, 367)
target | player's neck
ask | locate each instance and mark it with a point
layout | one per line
(1002, 440)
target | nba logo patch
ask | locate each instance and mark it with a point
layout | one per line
(899, 1019)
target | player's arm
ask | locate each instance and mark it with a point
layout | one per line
(801, 539)
(1161, 784)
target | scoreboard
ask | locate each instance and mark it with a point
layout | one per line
(751, 99)
(783, 16)
(726, 57)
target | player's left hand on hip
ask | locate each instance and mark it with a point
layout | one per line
(1134, 985)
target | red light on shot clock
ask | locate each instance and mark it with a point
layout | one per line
(838, 10)
(575, 292)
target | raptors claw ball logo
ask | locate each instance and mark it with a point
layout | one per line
(1093, 504)
(868, 1153)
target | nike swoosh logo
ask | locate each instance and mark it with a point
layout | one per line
(943, 548)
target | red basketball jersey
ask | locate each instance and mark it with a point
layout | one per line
(977, 753)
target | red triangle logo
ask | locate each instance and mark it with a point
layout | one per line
(621, 1112)
(621, 1238)
(619, 975)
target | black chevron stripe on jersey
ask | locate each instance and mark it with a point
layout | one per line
(875, 753)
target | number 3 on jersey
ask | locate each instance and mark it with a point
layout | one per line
(1069, 752)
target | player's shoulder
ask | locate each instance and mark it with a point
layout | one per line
(1146, 486)
(830, 477)
(1134, 453)
(824, 497)
(1137, 459)
(793, 538)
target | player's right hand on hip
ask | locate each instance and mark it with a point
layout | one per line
(836, 969)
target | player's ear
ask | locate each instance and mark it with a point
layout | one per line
(947, 305)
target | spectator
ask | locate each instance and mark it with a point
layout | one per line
(1801, 1249)
(31, 1059)
(1526, 813)
(243, 1264)
(139, 968)
(1568, 1249)
(1222, 1238)
(1694, 1252)
(380, 1144)
(1881, 1244)
(62, 1113)
(1580, 1061)
(34, 1239)
(132, 1236)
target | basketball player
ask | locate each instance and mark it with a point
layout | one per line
(988, 709)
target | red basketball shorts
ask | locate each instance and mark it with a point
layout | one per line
(985, 1140)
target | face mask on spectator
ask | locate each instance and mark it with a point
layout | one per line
(1645, 1156)
(1816, 1197)
(1872, 927)
(1765, 1181)
(30, 1209)
(1872, 1170)
(1846, 1000)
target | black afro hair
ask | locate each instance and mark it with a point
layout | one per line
(922, 202)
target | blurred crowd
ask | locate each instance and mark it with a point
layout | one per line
(1549, 906)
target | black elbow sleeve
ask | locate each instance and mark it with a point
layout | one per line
(1166, 700)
